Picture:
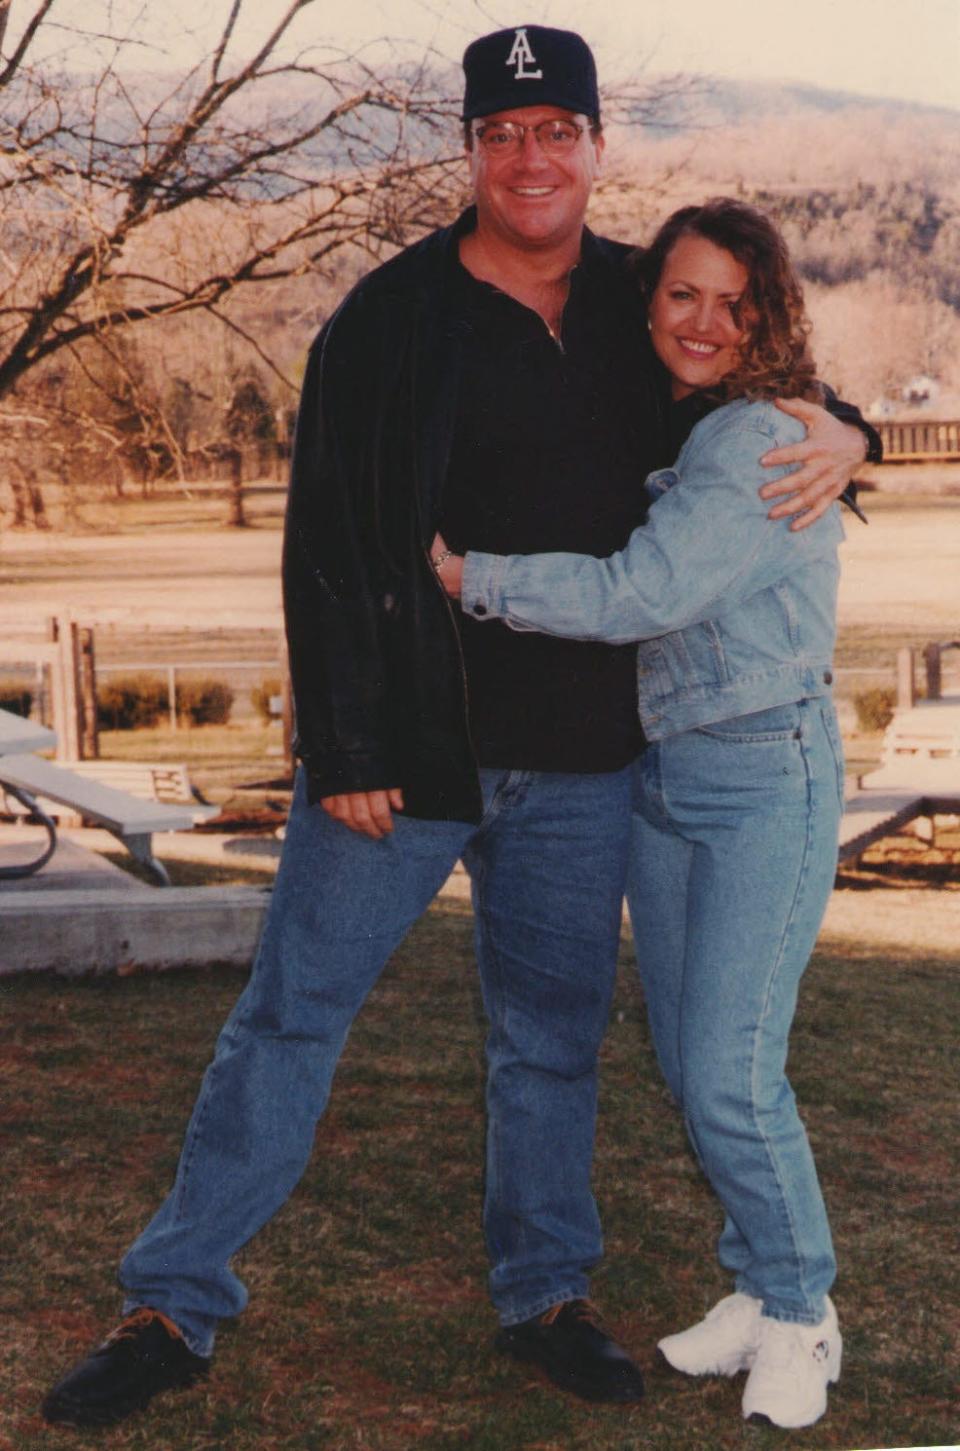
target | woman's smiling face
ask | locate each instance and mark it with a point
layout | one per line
(695, 320)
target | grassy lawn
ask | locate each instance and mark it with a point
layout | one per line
(368, 1325)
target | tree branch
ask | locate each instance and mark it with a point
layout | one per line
(11, 66)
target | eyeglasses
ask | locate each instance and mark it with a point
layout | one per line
(505, 138)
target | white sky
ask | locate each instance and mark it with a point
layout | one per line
(907, 49)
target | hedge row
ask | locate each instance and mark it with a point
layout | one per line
(875, 707)
(130, 701)
(17, 699)
(127, 702)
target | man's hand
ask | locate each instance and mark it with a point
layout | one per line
(829, 455)
(368, 812)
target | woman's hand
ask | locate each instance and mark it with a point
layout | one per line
(447, 566)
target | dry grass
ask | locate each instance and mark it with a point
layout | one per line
(368, 1325)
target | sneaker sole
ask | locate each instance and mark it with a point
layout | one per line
(833, 1375)
(760, 1418)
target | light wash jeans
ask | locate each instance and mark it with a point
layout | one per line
(735, 851)
(548, 865)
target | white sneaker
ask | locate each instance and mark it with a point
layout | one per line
(793, 1367)
(722, 1344)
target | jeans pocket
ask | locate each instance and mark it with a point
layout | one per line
(777, 723)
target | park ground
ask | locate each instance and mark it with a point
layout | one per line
(368, 1324)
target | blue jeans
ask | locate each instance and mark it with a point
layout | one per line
(735, 851)
(548, 865)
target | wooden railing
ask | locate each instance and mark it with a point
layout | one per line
(920, 441)
(932, 665)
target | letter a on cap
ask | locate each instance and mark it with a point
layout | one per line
(520, 56)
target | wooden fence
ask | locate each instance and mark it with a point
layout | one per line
(920, 442)
(65, 661)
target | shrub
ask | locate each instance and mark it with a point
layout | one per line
(260, 697)
(17, 699)
(874, 707)
(204, 702)
(128, 701)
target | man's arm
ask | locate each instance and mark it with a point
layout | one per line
(838, 441)
(330, 598)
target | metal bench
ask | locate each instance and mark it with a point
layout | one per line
(918, 777)
(870, 815)
(151, 780)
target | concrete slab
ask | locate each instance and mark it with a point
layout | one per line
(72, 865)
(75, 932)
(93, 917)
(213, 848)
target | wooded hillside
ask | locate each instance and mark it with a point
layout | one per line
(170, 244)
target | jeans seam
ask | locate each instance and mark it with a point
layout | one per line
(196, 1126)
(802, 875)
(510, 791)
(494, 976)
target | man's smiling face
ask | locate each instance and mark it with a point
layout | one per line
(529, 199)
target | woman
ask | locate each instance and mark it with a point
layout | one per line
(739, 791)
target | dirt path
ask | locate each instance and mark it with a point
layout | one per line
(228, 577)
(909, 920)
(901, 569)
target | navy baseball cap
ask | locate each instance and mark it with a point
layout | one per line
(530, 65)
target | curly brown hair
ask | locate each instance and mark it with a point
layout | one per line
(774, 358)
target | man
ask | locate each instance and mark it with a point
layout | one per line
(495, 380)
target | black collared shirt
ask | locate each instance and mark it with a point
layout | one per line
(551, 447)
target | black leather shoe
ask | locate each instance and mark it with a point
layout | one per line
(145, 1354)
(569, 1343)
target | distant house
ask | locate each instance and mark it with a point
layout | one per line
(919, 390)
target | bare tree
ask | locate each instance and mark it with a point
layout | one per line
(303, 153)
(244, 188)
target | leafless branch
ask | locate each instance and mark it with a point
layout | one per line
(11, 65)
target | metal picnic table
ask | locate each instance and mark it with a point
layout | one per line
(19, 736)
(132, 820)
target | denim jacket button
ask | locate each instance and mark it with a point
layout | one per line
(479, 609)
(828, 677)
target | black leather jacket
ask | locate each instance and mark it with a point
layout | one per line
(378, 681)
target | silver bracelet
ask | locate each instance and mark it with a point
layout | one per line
(441, 559)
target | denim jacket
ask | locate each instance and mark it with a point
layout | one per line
(734, 612)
